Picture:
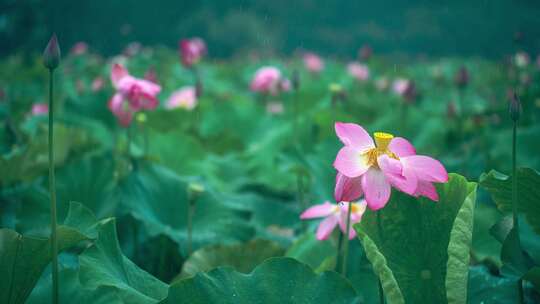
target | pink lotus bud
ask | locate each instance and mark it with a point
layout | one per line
(358, 71)
(365, 52)
(313, 63)
(266, 80)
(191, 51)
(79, 48)
(51, 55)
(40, 109)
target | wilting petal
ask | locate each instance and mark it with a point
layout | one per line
(347, 189)
(376, 188)
(118, 72)
(350, 162)
(326, 227)
(353, 135)
(426, 168)
(321, 210)
(401, 177)
(428, 190)
(401, 147)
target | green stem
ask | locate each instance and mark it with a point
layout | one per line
(52, 190)
(346, 247)
(191, 213)
(379, 227)
(515, 202)
(338, 255)
(381, 293)
(300, 196)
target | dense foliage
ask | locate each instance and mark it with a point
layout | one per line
(250, 163)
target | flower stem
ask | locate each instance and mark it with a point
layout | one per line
(379, 227)
(191, 213)
(338, 255)
(300, 196)
(346, 245)
(515, 201)
(52, 190)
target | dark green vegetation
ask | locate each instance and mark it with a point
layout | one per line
(123, 225)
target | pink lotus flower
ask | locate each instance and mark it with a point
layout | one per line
(79, 48)
(185, 97)
(268, 79)
(358, 71)
(121, 109)
(140, 93)
(313, 63)
(522, 59)
(191, 51)
(387, 162)
(400, 85)
(132, 94)
(40, 109)
(334, 215)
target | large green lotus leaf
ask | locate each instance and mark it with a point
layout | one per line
(277, 280)
(486, 288)
(420, 248)
(89, 181)
(242, 257)
(104, 265)
(71, 291)
(500, 188)
(23, 258)
(158, 198)
(178, 151)
(485, 246)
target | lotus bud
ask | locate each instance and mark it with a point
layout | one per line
(51, 55)
(194, 190)
(514, 107)
(461, 79)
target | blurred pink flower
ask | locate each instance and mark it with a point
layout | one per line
(268, 79)
(522, 59)
(358, 71)
(132, 94)
(183, 98)
(97, 84)
(313, 63)
(39, 109)
(384, 163)
(191, 51)
(399, 86)
(274, 107)
(140, 93)
(334, 215)
(121, 109)
(79, 48)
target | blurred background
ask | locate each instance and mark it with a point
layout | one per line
(487, 28)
